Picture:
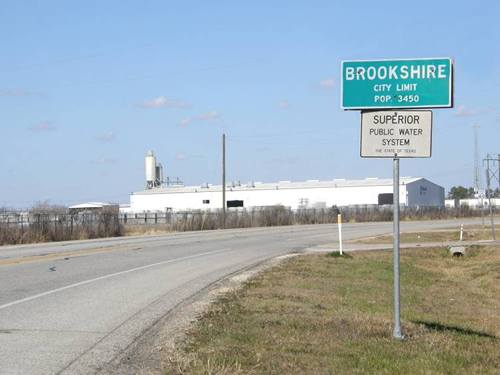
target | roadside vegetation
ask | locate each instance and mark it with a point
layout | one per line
(53, 223)
(146, 223)
(325, 314)
(46, 223)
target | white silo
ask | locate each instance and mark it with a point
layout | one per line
(150, 169)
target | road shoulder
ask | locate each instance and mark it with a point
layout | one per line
(155, 348)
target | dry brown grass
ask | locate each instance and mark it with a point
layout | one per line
(48, 227)
(280, 215)
(145, 230)
(319, 314)
(470, 234)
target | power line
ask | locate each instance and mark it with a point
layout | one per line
(73, 59)
(152, 76)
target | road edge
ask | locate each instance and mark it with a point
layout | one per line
(156, 347)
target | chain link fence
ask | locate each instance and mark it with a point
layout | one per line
(37, 226)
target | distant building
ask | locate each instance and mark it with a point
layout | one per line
(414, 192)
(472, 202)
(93, 207)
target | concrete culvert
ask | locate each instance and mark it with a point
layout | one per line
(457, 251)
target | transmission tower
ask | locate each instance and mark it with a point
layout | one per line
(492, 163)
(492, 173)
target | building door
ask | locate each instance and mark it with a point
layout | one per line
(385, 198)
(234, 203)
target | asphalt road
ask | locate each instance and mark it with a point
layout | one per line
(70, 307)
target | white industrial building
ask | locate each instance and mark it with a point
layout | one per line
(295, 195)
(472, 202)
(308, 194)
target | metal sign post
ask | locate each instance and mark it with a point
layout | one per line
(224, 181)
(388, 92)
(397, 313)
(396, 134)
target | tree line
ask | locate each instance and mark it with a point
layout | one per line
(461, 192)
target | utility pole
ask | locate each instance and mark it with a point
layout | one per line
(491, 173)
(223, 181)
(477, 173)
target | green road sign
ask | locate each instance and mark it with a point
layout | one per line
(405, 83)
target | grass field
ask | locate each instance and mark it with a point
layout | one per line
(321, 314)
(469, 234)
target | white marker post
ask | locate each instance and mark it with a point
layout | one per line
(339, 222)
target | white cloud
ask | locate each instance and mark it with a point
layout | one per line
(291, 160)
(283, 104)
(207, 116)
(185, 121)
(106, 137)
(212, 115)
(163, 102)
(262, 149)
(463, 111)
(104, 160)
(327, 83)
(19, 93)
(180, 156)
(44, 126)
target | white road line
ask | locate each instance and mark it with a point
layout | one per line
(107, 277)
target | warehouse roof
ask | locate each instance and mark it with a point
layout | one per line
(90, 205)
(309, 184)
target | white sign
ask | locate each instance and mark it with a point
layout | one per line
(405, 134)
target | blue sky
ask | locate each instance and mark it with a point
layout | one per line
(88, 87)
